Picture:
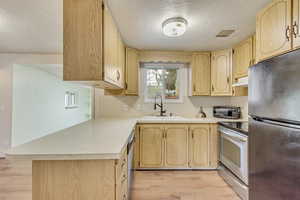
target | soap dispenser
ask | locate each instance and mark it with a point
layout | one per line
(201, 113)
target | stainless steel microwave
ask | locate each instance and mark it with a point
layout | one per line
(227, 112)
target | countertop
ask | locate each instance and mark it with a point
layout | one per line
(94, 139)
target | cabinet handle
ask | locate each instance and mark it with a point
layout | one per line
(287, 33)
(212, 88)
(194, 88)
(295, 29)
(118, 75)
(126, 86)
(227, 79)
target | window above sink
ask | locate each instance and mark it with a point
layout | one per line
(165, 79)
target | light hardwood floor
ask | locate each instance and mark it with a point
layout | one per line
(15, 184)
(181, 185)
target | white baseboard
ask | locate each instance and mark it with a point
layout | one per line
(2, 155)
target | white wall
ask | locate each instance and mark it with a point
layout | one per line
(6, 65)
(128, 106)
(39, 102)
(121, 106)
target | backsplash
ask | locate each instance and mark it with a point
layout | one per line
(128, 106)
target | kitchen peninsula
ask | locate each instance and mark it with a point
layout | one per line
(88, 161)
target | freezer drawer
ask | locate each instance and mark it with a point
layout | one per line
(274, 161)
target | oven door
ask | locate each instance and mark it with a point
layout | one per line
(234, 154)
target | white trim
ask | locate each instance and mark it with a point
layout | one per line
(2, 155)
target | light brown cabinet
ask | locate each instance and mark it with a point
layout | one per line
(242, 58)
(86, 179)
(296, 21)
(274, 29)
(199, 146)
(221, 73)
(132, 72)
(91, 45)
(113, 50)
(214, 144)
(200, 74)
(176, 146)
(151, 146)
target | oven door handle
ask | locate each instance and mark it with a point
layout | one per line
(238, 139)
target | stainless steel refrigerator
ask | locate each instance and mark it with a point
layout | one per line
(274, 129)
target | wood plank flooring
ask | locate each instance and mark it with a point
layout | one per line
(15, 184)
(181, 185)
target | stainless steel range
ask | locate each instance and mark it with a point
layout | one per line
(234, 155)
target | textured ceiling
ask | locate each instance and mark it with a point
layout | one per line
(36, 25)
(140, 22)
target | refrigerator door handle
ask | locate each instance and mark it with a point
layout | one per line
(274, 122)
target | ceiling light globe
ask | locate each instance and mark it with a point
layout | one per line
(174, 27)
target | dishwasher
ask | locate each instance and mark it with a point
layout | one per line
(130, 161)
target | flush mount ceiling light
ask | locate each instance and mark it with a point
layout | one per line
(174, 27)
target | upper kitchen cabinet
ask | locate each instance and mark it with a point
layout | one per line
(200, 74)
(132, 72)
(296, 21)
(89, 36)
(242, 58)
(274, 29)
(221, 73)
(113, 50)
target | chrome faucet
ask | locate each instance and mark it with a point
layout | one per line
(161, 105)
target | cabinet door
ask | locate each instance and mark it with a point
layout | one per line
(296, 21)
(200, 69)
(221, 73)
(121, 62)
(254, 49)
(110, 48)
(132, 70)
(242, 58)
(136, 154)
(214, 146)
(199, 146)
(273, 29)
(82, 40)
(151, 146)
(176, 146)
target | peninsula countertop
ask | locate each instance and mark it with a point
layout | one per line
(94, 139)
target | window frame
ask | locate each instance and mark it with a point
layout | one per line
(181, 67)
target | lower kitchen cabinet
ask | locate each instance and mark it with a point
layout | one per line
(122, 177)
(199, 146)
(214, 146)
(151, 146)
(176, 146)
(80, 179)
